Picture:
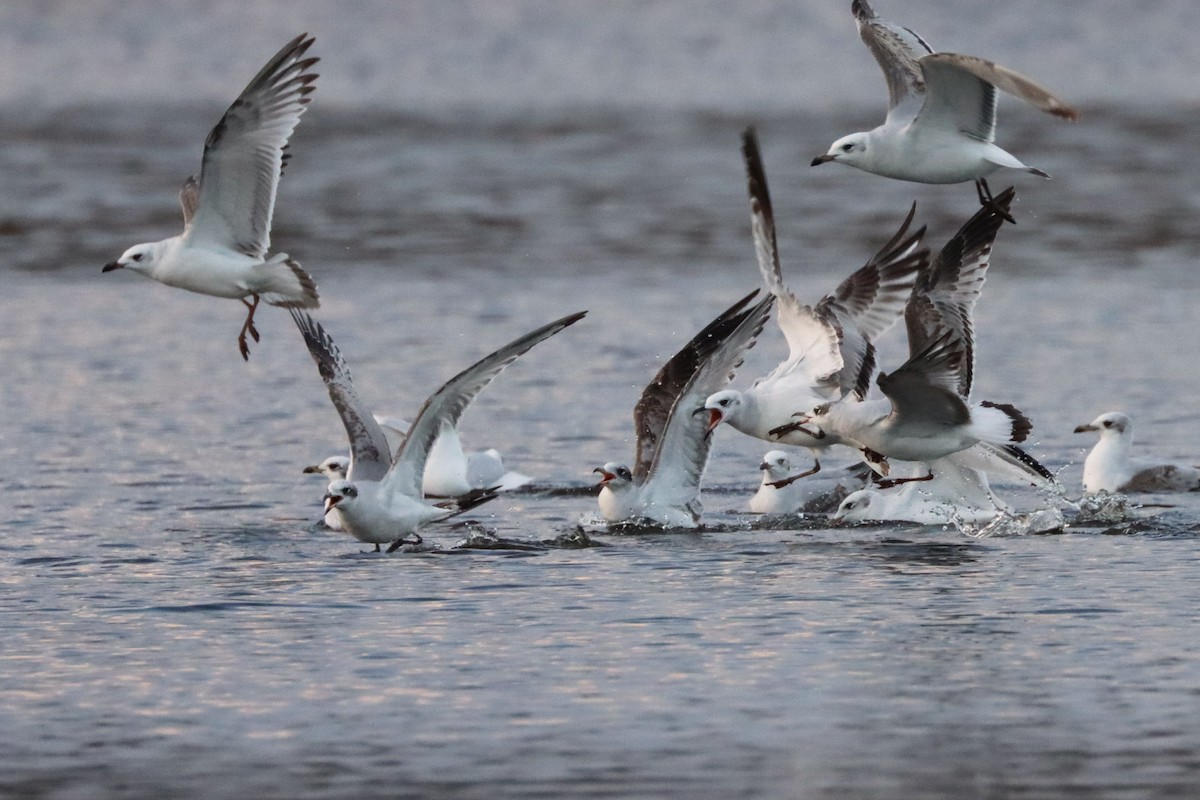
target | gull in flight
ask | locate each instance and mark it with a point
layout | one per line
(380, 499)
(830, 350)
(1109, 467)
(941, 121)
(223, 250)
(673, 437)
(927, 412)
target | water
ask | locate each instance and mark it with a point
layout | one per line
(175, 623)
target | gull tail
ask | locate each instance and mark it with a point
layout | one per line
(465, 502)
(286, 284)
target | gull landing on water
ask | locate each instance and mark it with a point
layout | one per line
(380, 500)
(673, 435)
(941, 121)
(227, 213)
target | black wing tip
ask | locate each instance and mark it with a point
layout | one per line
(1029, 461)
(1021, 425)
(861, 9)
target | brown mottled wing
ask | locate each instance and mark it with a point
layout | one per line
(369, 456)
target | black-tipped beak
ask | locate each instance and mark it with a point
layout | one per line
(110, 266)
(764, 465)
(819, 160)
(312, 469)
(1085, 429)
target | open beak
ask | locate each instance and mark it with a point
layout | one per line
(605, 477)
(714, 419)
(822, 159)
(1085, 428)
(331, 500)
(110, 266)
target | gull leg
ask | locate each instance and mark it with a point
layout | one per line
(987, 201)
(396, 545)
(888, 484)
(790, 427)
(788, 481)
(248, 327)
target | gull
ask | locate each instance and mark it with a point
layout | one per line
(830, 350)
(952, 493)
(927, 412)
(941, 121)
(223, 250)
(380, 501)
(1110, 468)
(332, 469)
(673, 438)
(780, 491)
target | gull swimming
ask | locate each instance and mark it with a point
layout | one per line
(673, 437)
(952, 493)
(830, 350)
(941, 121)
(451, 470)
(223, 250)
(1110, 467)
(380, 500)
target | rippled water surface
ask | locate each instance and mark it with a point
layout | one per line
(176, 624)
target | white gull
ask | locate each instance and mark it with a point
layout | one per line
(830, 350)
(1110, 467)
(941, 121)
(673, 437)
(380, 500)
(223, 250)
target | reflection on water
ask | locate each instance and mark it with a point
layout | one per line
(177, 624)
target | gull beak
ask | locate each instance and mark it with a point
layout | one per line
(110, 266)
(331, 500)
(714, 419)
(764, 465)
(1086, 428)
(822, 159)
(605, 477)
(312, 469)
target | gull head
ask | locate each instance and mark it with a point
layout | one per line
(139, 258)
(856, 507)
(776, 464)
(722, 406)
(340, 493)
(614, 476)
(333, 468)
(1112, 425)
(851, 149)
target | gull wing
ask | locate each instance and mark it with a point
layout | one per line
(1005, 79)
(369, 456)
(447, 404)
(870, 301)
(244, 154)
(944, 295)
(189, 199)
(673, 441)
(923, 389)
(897, 51)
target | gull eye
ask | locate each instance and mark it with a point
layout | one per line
(136, 257)
(1108, 423)
(847, 147)
(624, 473)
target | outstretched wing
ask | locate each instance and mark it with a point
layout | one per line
(244, 154)
(673, 440)
(870, 301)
(897, 51)
(369, 458)
(925, 386)
(944, 295)
(447, 404)
(189, 200)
